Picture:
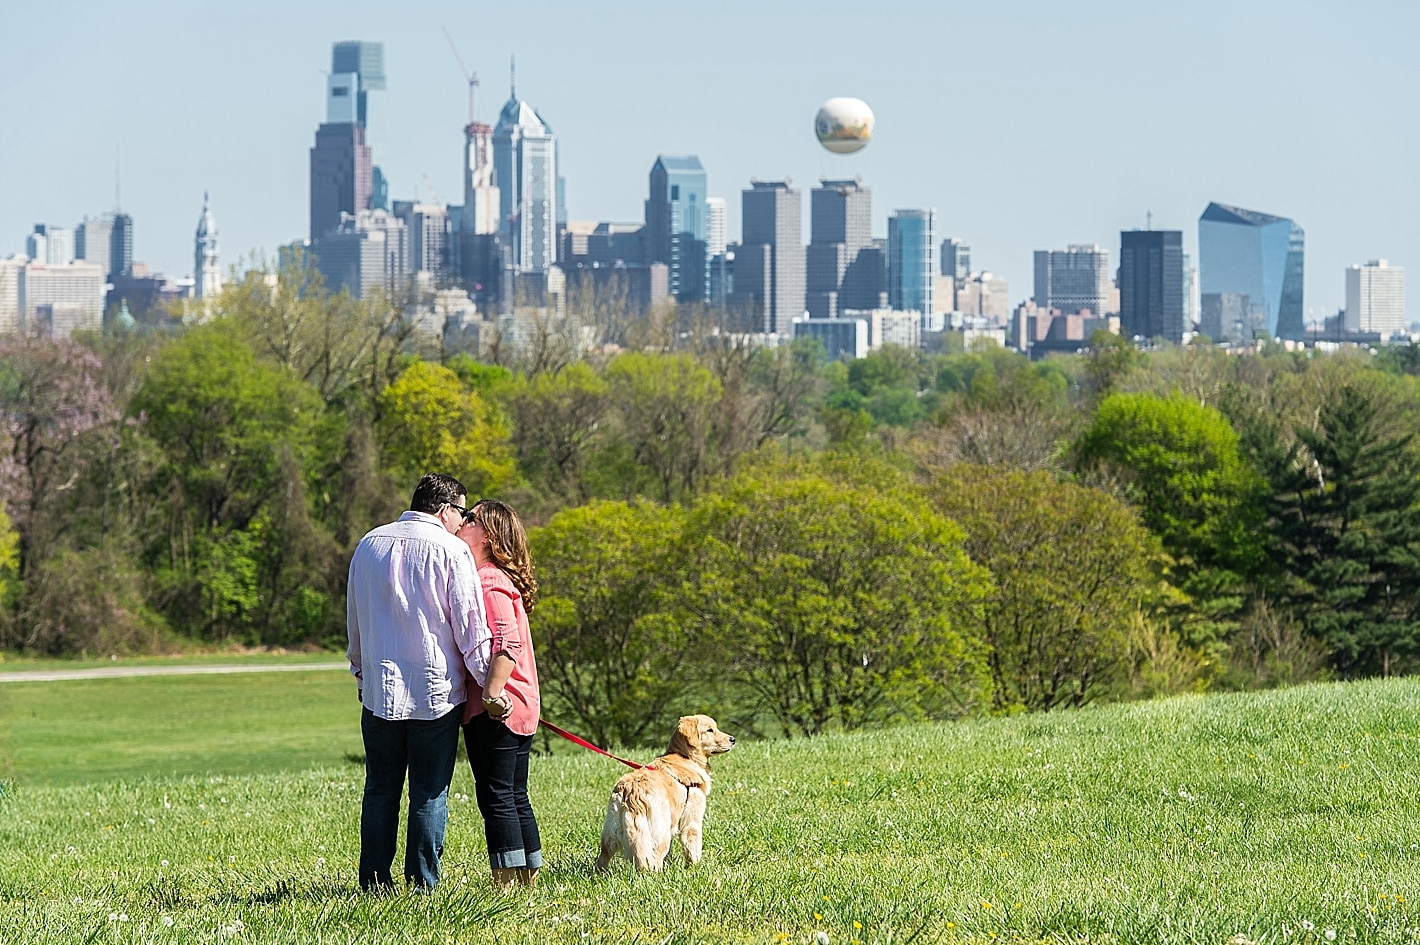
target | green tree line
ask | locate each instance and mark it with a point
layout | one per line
(802, 544)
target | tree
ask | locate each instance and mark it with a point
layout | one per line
(239, 441)
(1347, 528)
(1109, 360)
(1182, 467)
(52, 403)
(290, 319)
(609, 652)
(836, 596)
(666, 405)
(1072, 568)
(430, 422)
(558, 418)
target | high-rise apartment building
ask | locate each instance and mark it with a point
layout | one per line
(1250, 270)
(368, 250)
(1073, 280)
(845, 268)
(1375, 299)
(480, 193)
(769, 262)
(525, 172)
(956, 258)
(1151, 285)
(61, 299)
(678, 225)
(206, 269)
(912, 261)
(429, 237)
(10, 294)
(478, 250)
(716, 237)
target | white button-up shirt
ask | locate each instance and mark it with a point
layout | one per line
(414, 612)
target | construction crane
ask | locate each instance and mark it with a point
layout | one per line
(471, 77)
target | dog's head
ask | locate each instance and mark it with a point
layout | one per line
(698, 737)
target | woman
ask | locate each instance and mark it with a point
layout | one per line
(502, 710)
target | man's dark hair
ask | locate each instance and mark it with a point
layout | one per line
(436, 490)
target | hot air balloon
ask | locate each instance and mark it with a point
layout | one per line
(844, 125)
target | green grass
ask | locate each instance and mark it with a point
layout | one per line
(1277, 817)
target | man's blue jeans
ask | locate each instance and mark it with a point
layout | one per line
(427, 751)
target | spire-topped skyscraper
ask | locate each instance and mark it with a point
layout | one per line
(525, 172)
(206, 271)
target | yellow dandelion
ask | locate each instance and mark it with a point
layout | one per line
(985, 904)
(830, 898)
(818, 916)
(857, 924)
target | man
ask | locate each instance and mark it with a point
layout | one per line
(413, 611)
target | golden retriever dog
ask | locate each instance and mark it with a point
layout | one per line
(666, 798)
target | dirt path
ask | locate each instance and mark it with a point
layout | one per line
(109, 672)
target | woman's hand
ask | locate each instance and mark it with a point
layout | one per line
(499, 707)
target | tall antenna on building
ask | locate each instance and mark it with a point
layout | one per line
(513, 78)
(470, 77)
(1148, 219)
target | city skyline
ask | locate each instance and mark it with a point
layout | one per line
(1301, 126)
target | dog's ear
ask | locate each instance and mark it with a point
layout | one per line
(686, 739)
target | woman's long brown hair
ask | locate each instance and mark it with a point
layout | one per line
(508, 545)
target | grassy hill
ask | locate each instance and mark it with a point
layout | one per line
(224, 809)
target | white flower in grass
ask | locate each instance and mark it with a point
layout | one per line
(163, 863)
(821, 937)
(1307, 926)
(113, 916)
(234, 927)
(167, 920)
(1330, 935)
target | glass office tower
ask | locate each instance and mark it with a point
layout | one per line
(912, 260)
(1250, 274)
(678, 224)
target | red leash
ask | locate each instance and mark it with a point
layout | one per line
(577, 740)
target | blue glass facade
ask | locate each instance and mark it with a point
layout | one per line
(1250, 275)
(912, 260)
(678, 224)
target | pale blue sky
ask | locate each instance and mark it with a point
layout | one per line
(1027, 125)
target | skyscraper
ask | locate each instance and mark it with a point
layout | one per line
(368, 250)
(120, 257)
(1151, 284)
(361, 66)
(678, 225)
(525, 172)
(1250, 272)
(93, 242)
(846, 270)
(429, 237)
(206, 270)
(10, 294)
(1073, 280)
(769, 263)
(716, 237)
(912, 261)
(1375, 298)
(956, 258)
(341, 175)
